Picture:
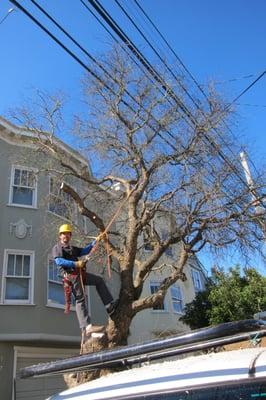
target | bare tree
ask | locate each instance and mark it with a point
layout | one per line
(169, 161)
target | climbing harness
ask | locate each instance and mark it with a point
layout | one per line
(67, 285)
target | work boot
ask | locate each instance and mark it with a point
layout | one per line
(112, 307)
(91, 329)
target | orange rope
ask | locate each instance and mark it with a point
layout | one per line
(104, 234)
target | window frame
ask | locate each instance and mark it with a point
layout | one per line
(52, 195)
(157, 284)
(29, 301)
(197, 272)
(12, 185)
(169, 251)
(176, 300)
(51, 302)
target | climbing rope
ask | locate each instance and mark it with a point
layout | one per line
(104, 235)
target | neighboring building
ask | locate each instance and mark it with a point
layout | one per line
(163, 320)
(34, 327)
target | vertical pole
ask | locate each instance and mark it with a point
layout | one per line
(258, 208)
(248, 175)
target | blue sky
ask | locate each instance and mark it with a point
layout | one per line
(220, 41)
(223, 41)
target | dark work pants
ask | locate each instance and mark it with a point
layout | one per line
(80, 298)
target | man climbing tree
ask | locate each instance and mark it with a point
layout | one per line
(75, 277)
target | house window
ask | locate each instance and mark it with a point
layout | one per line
(18, 277)
(177, 299)
(148, 238)
(60, 203)
(154, 286)
(196, 280)
(23, 187)
(55, 286)
(168, 252)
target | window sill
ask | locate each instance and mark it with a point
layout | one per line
(22, 206)
(58, 306)
(17, 303)
(57, 215)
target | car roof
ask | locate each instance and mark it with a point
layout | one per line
(213, 368)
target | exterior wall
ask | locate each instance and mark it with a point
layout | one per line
(40, 318)
(151, 324)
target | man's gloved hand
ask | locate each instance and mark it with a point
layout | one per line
(80, 264)
(101, 236)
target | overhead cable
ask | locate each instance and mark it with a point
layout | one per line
(246, 90)
(111, 22)
(158, 55)
(171, 49)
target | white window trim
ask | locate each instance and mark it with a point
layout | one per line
(30, 253)
(156, 283)
(35, 194)
(199, 276)
(182, 300)
(51, 303)
(75, 213)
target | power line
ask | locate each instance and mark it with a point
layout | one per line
(171, 49)
(7, 14)
(240, 78)
(111, 22)
(251, 105)
(246, 90)
(156, 52)
(124, 48)
(57, 41)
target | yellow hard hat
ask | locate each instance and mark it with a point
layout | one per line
(65, 228)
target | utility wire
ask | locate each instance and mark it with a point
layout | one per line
(125, 49)
(156, 52)
(59, 42)
(110, 33)
(106, 16)
(251, 105)
(7, 14)
(246, 90)
(171, 49)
